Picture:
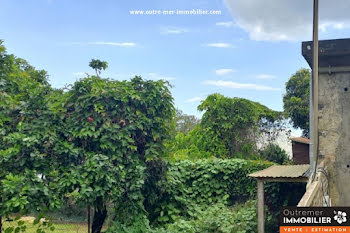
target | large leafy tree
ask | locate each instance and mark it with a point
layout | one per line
(27, 135)
(296, 99)
(111, 130)
(93, 142)
(235, 122)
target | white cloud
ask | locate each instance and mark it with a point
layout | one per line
(265, 76)
(325, 26)
(173, 30)
(219, 45)
(156, 76)
(234, 85)
(224, 71)
(119, 44)
(276, 20)
(194, 99)
(225, 24)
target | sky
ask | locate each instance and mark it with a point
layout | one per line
(245, 48)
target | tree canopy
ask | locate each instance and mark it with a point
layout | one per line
(111, 129)
(296, 100)
(235, 121)
(24, 137)
(91, 142)
(185, 123)
(228, 129)
(98, 65)
(100, 142)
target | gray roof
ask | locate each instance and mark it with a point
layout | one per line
(283, 171)
(332, 53)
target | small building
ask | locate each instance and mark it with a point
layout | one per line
(300, 149)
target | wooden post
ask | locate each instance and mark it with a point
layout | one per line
(261, 214)
(315, 90)
(89, 219)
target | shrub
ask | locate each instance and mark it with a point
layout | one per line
(190, 185)
(191, 188)
(199, 143)
(240, 219)
(139, 224)
(274, 153)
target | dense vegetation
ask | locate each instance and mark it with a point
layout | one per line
(91, 142)
(296, 100)
(185, 123)
(122, 148)
(229, 129)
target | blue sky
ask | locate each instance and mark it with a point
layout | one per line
(249, 50)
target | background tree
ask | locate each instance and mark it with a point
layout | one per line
(274, 153)
(185, 123)
(296, 100)
(230, 127)
(235, 122)
(98, 65)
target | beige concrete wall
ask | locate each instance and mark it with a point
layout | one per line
(317, 191)
(334, 133)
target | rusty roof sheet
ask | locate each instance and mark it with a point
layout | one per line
(301, 140)
(283, 171)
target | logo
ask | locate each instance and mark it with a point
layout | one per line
(340, 216)
(314, 219)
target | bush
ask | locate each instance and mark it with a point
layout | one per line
(190, 185)
(240, 219)
(199, 143)
(139, 224)
(274, 153)
(192, 188)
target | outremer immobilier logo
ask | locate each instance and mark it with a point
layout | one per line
(315, 219)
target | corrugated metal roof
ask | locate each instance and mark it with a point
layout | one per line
(301, 140)
(283, 171)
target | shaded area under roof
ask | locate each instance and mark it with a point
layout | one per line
(301, 140)
(283, 171)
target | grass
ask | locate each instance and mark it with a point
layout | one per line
(59, 227)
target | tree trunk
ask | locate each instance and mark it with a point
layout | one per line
(0, 224)
(100, 215)
(89, 219)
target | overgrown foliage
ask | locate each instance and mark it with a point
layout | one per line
(193, 185)
(185, 123)
(296, 100)
(218, 218)
(235, 122)
(193, 193)
(24, 137)
(229, 129)
(197, 144)
(211, 195)
(274, 153)
(104, 143)
(91, 143)
(111, 129)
